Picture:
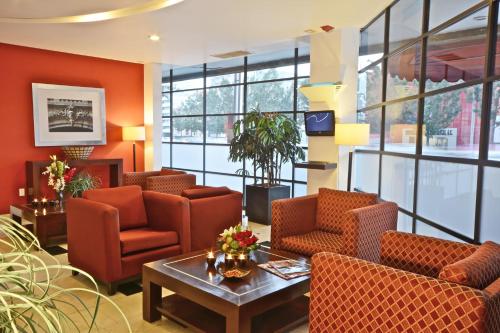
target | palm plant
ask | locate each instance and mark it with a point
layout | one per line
(82, 182)
(269, 140)
(30, 300)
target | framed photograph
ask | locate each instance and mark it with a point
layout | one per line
(68, 116)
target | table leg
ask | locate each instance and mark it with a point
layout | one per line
(237, 322)
(151, 299)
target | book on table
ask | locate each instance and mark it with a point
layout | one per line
(287, 269)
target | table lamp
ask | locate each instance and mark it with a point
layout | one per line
(134, 134)
(352, 135)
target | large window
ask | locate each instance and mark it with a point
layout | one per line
(202, 103)
(428, 84)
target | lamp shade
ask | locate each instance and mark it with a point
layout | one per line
(352, 134)
(134, 133)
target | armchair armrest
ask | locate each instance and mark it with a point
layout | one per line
(94, 238)
(138, 178)
(421, 254)
(362, 229)
(292, 217)
(171, 184)
(353, 295)
(169, 212)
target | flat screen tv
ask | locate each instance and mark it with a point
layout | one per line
(320, 123)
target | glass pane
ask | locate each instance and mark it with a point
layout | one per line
(371, 46)
(426, 230)
(271, 96)
(270, 66)
(447, 195)
(302, 101)
(286, 171)
(217, 160)
(225, 72)
(304, 62)
(452, 123)
(366, 168)
(225, 100)
(494, 153)
(165, 85)
(188, 129)
(234, 183)
(199, 177)
(443, 10)
(456, 54)
(303, 137)
(188, 78)
(187, 157)
(404, 222)
(165, 105)
(490, 210)
(397, 181)
(401, 127)
(405, 23)
(165, 155)
(165, 135)
(188, 102)
(403, 73)
(300, 190)
(374, 118)
(370, 86)
(220, 128)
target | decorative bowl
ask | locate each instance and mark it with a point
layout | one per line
(77, 152)
(233, 273)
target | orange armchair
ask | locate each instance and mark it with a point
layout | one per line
(348, 223)
(402, 295)
(165, 181)
(112, 232)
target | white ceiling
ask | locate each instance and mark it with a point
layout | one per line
(190, 31)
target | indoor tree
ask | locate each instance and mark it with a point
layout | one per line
(268, 140)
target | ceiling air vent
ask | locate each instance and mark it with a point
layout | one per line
(232, 54)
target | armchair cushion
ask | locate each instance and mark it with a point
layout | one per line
(478, 270)
(313, 242)
(127, 199)
(333, 204)
(205, 192)
(142, 239)
(170, 172)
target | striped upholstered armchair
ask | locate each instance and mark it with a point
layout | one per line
(342, 222)
(165, 181)
(423, 284)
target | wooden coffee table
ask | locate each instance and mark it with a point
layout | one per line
(205, 302)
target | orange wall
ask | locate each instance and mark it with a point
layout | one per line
(20, 66)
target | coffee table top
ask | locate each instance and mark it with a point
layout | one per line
(191, 269)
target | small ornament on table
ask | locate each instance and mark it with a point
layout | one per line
(236, 240)
(229, 260)
(35, 203)
(210, 259)
(44, 202)
(242, 260)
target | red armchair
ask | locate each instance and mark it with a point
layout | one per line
(212, 209)
(348, 223)
(404, 294)
(165, 181)
(113, 232)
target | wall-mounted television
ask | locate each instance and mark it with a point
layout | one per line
(320, 123)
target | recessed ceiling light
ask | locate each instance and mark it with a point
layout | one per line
(310, 31)
(480, 18)
(154, 37)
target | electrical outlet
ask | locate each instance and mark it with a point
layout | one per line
(21, 192)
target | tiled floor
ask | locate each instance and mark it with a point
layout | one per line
(109, 320)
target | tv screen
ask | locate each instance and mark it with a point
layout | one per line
(320, 123)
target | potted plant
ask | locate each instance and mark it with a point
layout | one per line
(82, 182)
(32, 300)
(268, 140)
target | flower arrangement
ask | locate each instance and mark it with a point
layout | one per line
(59, 174)
(82, 182)
(237, 240)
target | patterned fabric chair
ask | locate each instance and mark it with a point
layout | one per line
(165, 181)
(402, 295)
(348, 223)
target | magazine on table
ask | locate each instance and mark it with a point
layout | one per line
(287, 269)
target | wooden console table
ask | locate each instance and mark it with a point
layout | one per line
(35, 168)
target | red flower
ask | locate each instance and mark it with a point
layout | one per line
(69, 175)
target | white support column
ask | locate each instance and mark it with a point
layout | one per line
(334, 58)
(152, 116)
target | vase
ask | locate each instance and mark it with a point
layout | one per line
(60, 198)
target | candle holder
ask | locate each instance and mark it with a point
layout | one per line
(229, 260)
(52, 203)
(242, 260)
(35, 203)
(210, 259)
(44, 202)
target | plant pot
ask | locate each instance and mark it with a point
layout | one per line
(259, 198)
